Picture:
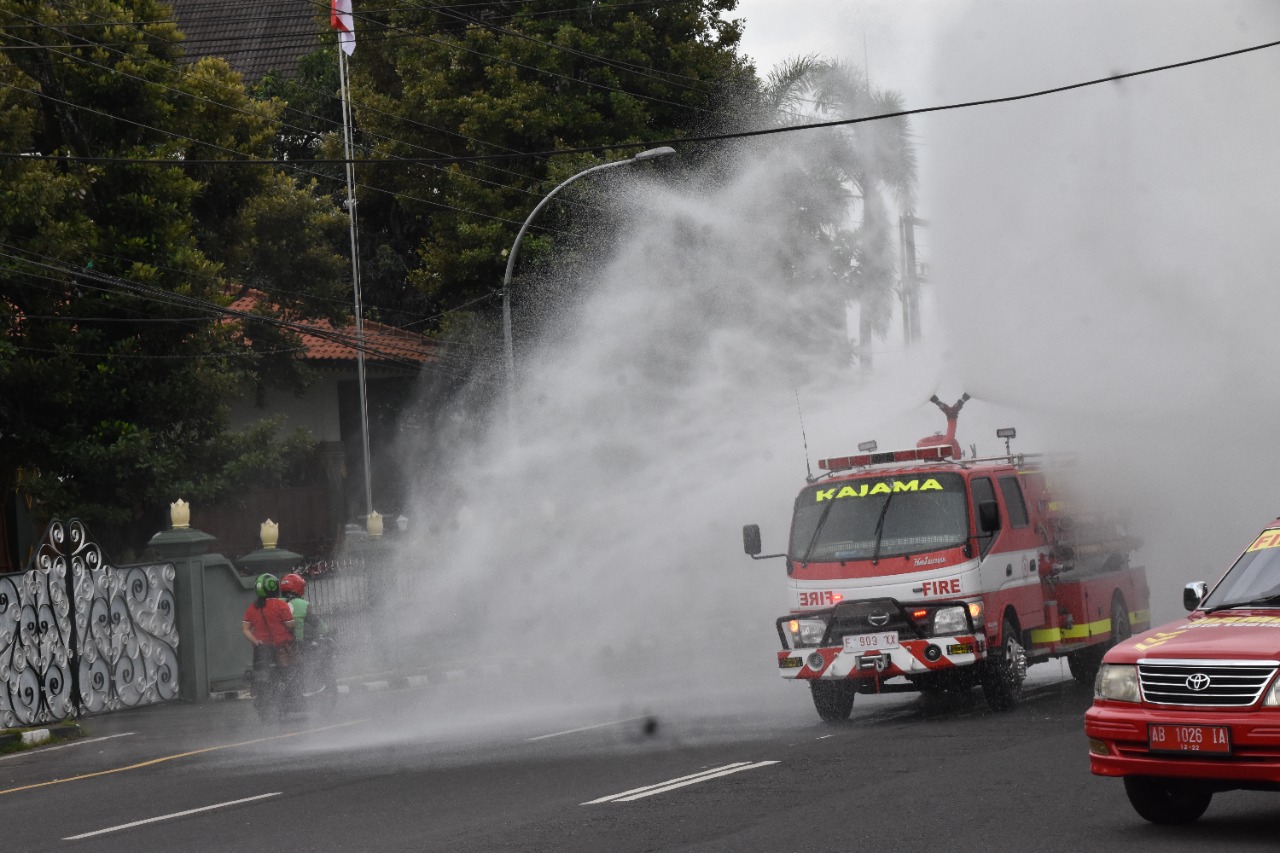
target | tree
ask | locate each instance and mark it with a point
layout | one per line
(858, 165)
(505, 77)
(115, 376)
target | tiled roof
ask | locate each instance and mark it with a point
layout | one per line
(254, 36)
(382, 343)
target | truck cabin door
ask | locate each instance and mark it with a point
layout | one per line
(986, 513)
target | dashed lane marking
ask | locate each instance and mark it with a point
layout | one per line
(680, 782)
(169, 816)
(584, 729)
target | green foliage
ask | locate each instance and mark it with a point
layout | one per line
(465, 79)
(840, 188)
(112, 403)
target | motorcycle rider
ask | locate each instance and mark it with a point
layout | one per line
(308, 628)
(292, 588)
(268, 625)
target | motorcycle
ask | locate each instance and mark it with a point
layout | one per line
(294, 680)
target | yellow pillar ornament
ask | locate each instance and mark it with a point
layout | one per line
(269, 534)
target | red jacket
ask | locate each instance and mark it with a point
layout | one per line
(267, 618)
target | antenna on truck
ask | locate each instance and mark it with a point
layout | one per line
(804, 438)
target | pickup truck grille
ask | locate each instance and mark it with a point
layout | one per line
(1209, 683)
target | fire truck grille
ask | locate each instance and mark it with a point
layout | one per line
(865, 617)
(1225, 684)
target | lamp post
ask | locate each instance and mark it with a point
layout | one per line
(515, 247)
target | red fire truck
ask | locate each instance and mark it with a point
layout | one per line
(1192, 708)
(923, 570)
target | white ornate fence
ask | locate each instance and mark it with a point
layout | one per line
(79, 636)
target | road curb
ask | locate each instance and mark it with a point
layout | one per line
(32, 737)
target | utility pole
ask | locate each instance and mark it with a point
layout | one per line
(910, 276)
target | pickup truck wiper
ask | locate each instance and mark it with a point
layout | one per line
(1273, 598)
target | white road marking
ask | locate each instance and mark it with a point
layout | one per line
(169, 816)
(679, 782)
(584, 729)
(69, 743)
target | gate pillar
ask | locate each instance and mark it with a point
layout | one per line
(187, 549)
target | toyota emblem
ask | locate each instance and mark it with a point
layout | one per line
(878, 617)
(1197, 682)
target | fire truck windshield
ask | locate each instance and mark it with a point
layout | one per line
(840, 520)
(1254, 579)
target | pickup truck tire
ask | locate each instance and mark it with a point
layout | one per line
(833, 699)
(1005, 669)
(1167, 801)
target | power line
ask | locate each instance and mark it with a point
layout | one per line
(294, 164)
(386, 352)
(652, 143)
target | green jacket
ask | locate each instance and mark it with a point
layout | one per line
(304, 616)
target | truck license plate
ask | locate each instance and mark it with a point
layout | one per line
(876, 642)
(1166, 737)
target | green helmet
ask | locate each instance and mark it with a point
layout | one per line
(267, 586)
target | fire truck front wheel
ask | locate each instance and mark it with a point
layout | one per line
(1005, 669)
(833, 699)
(1167, 801)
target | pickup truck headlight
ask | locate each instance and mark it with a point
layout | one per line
(806, 632)
(1271, 698)
(949, 620)
(1117, 682)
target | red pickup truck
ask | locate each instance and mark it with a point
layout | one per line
(1192, 708)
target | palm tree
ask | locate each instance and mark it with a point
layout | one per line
(860, 163)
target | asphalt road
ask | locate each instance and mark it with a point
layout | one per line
(506, 765)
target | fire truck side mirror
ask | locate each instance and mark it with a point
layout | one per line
(751, 539)
(988, 518)
(1194, 593)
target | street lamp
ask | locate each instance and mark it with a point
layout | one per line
(649, 154)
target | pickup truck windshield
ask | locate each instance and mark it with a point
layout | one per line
(838, 521)
(1254, 578)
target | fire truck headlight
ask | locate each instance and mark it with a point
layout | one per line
(949, 620)
(811, 631)
(806, 632)
(1117, 682)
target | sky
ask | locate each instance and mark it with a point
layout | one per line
(1102, 265)
(888, 38)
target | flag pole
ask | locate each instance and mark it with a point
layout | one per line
(343, 46)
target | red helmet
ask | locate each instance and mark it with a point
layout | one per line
(293, 584)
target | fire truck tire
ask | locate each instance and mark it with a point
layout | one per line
(833, 700)
(1005, 669)
(1167, 801)
(1084, 663)
(1121, 630)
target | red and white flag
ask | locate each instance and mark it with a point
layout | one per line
(345, 25)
